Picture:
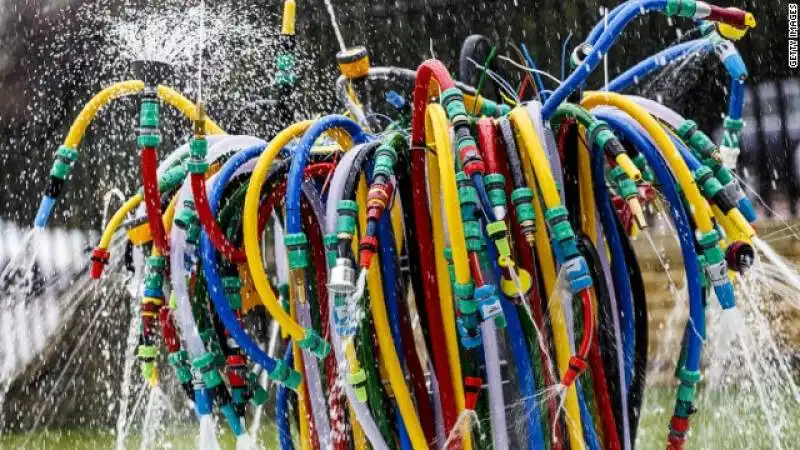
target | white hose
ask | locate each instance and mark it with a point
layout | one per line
(497, 404)
(183, 311)
(362, 412)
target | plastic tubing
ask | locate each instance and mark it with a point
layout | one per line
(526, 378)
(696, 331)
(593, 228)
(664, 143)
(319, 406)
(183, 311)
(626, 127)
(300, 155)
(81, 123)
(529, 142)
(282, 409)
(516, 335)
(736, 223)
(362, 412)
(251, 232)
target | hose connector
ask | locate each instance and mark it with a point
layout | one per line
(467, 196)
(347, 221)
(100, 258)
(522, 199)
(565, 244)
(147, 360)
(63, 163)
(315, 344)
(495, 189)
(258, 395)
(358, 380)
(740, 256)
(472, 389)
(467, 320)
(601, 135)
(641, 162)
(297, 250)
(627, 189)
(489, 305)
(579, 55)
(717, 268)
(285, 375)
(731, 146)
(712, 189)
(232, 286)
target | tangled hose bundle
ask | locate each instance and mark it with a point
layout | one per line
(402, 260)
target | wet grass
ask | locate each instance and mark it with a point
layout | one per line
(726, 419)
(729, 419)
(182, 438)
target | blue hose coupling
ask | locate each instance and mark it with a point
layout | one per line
(233, 419)
(746, 207)
(202, 400)
(725, 296)
(577, 274)
(489, 305)
(468, 331)
(44, 212)
(314, 343)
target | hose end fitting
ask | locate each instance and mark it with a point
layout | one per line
(285, 375)
(314, 343)
(358, 380)
(489, 305)
(100, 257)
(577, 366)
(472, 389)
(740, 256)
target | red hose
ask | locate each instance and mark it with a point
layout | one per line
(497, 162)
(152, 199)
(487, 143)
(209, 223)
(422, 225)
(336, 403)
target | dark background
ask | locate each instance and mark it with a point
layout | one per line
(55, 54)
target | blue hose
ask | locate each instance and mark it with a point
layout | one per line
(522, 362)
(282, 409)
(389, 270)
(622, 283)
(624, 126)
(300, 157)
(210, 264)
(579, 76)
(587, 420)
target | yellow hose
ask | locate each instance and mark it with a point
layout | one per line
(383, 331)
(534, 154)
(186, 107)
(442, 272)
(700, 210)
(116, 220)
(121, 89)
(250, 226)
(588, 207)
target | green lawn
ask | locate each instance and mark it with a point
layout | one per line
(725, 420)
